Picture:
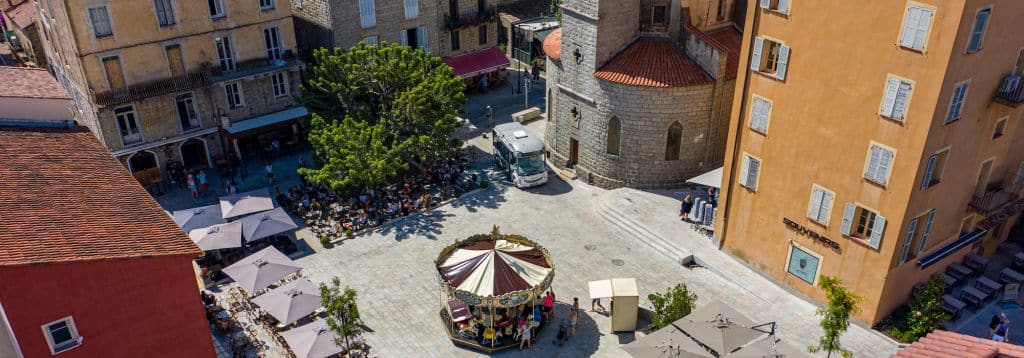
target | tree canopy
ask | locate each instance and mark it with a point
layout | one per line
(375, 108)
(835, 317)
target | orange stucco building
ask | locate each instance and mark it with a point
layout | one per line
(877, 141)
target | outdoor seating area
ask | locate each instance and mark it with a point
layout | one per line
(977, 282)
(335, 215)
(701, 203)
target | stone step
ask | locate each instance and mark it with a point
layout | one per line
(607, 210)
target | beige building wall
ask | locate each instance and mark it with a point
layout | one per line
(469, 35)
(825, 115)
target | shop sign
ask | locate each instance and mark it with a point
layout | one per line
(803, 230)
(802, 264)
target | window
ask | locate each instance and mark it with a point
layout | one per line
(272, 39)
(187, 114)
(100, 20)
(128, 124)
(821, 204)
(956, 103)
(61, 335)
(367, 14)
(164, 12)
(1000, 128)
(917, 236)
(967, 225)
(614, 131)
(749, 172)
(769, 57)
(894, 103)
(878, 164)
(759, 113)
(482, 31)
(915, 27)
(266, 5)
(481, 6)
(456, 41)
(981, 186)
(226, 53)
(115, 76)
(673, 141)
(722, 10)
(775, 5)
(280, 83)
(453, 8)
(216, 8)
(412, 9)
(408, 38)
(371, 40)
(803, 264)
(175, 60)
(933, 171)
(660, 17)
(863, 223)
(978, 31)
(234, 94)
(421, 35)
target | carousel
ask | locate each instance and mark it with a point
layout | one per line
(491, 285)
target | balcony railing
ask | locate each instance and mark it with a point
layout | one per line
(1011, 91)
(466, 20)
(992, 200)
(256, 66)
(198, 78)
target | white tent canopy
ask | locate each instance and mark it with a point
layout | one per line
(712, 178)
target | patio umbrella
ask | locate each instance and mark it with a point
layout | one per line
(198, 218)
(666, 342)
(767, 348)
(267, 223)
(259, 270)
(314, 340)
(720, 334)
(216, 237)
(290, 302)
(246, 203)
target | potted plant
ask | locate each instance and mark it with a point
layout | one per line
(349, 234)
(325, 241)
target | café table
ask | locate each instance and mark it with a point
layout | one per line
(952, 305)
(975, 262)
(986, 285)
(1008, 275)
(960, 270)
(949, 280)
(973, 296)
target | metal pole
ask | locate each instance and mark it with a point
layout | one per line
(526, 95)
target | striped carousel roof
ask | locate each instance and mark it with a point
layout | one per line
(495, 267)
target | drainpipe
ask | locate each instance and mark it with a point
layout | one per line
(731, 182)
(711, 115)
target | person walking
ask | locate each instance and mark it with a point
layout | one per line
(192, 186)
(684, 211)
(269, 169)
(204, 185)
(994, 322)
(524, 337)
(574, 316)
(490, 118)
(596, 302)
(1002, 331)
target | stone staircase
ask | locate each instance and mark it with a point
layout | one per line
(618, 210)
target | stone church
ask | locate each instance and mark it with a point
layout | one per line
(640, 91)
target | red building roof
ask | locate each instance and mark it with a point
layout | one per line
(65, 198)
(726, 40)
(942, 344)
(553, 45)
(27, 82)
(653, 63)
(23, 15)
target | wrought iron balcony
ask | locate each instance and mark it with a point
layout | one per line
(992, 200)
(256, 66)
(452, 23)
(1011, 91)
(201, 77)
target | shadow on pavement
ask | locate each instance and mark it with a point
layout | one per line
(427, 224)
(554, 186)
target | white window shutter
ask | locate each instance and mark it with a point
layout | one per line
(884, 164)
(927, 230)
(899, 108)
(826, 206)
(876, 232)
(927, 180)
(766, 108)
(754, 113)
(743, 171)
(780, 67)
(412, 9)
(873, 158)
(889, 101)
(752, 173)
(402, 39)
(814, 209)
(421, 38)
(905, 250)
(921, 32)
(910, 26)
(367, 14)
(755, 53)
(847, 219)
(783, 6)
(766, 4)
(978, 33)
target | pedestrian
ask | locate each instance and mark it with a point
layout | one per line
(232, 189)
(596, 302)
(275, 145)
(1002, 331)
(483, 84)
(524, 337)
(549, 305)
(573, 318)
(269, 169)
(204, 185)
(192, 186)
(993, 323)
(490, 118)
(684, 211)
(535, 71)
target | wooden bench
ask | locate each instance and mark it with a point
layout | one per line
(986, 285)
(952, 306)
(975, 262)
(958, 271)
(949, 280)
(1008, 275)
(973, 296)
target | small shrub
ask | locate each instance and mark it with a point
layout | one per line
(669, 307)
(325, 241)
(925, 314)
(349, 233)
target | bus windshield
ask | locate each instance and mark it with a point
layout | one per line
(530, 164)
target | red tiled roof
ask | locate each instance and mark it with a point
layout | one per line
(24, 14)
(64, 197)
(28, 82)
(940, 344)
(653, 63)
(553, 45)
(727, 40)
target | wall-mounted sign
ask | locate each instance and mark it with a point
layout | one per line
(802, 264)
(821, 239)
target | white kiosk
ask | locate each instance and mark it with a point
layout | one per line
(625, 301)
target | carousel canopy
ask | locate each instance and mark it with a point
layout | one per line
(495, 267)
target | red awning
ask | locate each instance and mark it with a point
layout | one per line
(477, 63)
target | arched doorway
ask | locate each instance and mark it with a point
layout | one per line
(144, 167)
(194, 154)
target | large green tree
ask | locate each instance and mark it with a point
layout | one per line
(835, 317)
(384, 105)
(672, 305)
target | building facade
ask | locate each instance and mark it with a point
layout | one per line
(167, 80)
(19, 26)
(877, 142)
(639, 92)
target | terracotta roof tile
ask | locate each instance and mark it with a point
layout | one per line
(949, 344)
(653, 63)
(27, 82)
(65, 198)
(553, 45)
(727, 40)
(24, 14)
